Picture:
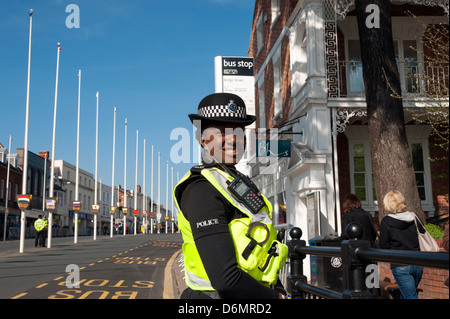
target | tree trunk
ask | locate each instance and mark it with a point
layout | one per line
(391, 157)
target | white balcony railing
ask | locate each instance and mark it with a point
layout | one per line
(419, 78)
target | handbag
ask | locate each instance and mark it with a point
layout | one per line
(426, 242)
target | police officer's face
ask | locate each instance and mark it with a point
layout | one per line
(225, 142)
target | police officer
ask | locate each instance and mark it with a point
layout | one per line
(39, 225)
(230, 250)
(44, 232)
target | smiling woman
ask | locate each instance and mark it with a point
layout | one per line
(223, 143)
(225, 220)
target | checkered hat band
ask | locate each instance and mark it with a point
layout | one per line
(222, 111)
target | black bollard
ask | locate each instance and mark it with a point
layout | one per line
(296, 260)
(353, 267)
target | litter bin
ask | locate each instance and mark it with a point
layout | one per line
(326, 272)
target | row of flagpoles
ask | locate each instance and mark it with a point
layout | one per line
(24, 200)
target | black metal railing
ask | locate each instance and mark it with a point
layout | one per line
(356, 255)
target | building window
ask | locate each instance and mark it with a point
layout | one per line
(359, 172)
(261, 102)
(259, 33)
(275, 8)
(298, 56)
(362, 182)
(277, 84)
(2, 188)
(36, 178)
(355, 74)
(419, 168)
(407, 63)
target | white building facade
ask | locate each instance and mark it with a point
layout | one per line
(309, 90)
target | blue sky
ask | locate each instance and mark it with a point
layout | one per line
(152, 59)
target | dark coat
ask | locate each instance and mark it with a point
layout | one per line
(398, 231)
(360, 216)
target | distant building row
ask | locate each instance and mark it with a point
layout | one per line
(38, 178)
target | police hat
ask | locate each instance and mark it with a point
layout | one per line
(223, 108)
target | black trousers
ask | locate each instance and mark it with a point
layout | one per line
(40, 239)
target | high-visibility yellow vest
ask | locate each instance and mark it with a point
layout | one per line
(39, 224)
(258, 252)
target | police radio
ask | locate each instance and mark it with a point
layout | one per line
(245, 191)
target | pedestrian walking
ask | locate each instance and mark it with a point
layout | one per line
(353, 213)
(398, 231)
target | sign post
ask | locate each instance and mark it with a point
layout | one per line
(236, 75)
(112, 211)
(95, 210)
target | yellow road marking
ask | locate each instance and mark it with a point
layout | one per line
(168, 282)
(42, 285)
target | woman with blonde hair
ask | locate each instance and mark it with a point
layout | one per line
(398, 231)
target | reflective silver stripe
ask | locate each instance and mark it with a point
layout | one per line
(197, 281)
(263, 216)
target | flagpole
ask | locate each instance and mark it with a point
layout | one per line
(52, 169)
(44, 182)
(7, 189)
(178, 179)
(172, 220)
(112, 182)
(167, 194)
(96, 161)
(125, 183)
(77, 172)
(158, 208)
(136, 183)
(25, 151)
(144, 206)
(151, 196)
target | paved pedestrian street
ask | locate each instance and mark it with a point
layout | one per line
(141, 269)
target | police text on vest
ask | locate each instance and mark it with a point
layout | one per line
(209, 222)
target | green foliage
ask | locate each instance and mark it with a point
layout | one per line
(435, 231)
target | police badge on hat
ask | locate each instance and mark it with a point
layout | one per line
(223, 108)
